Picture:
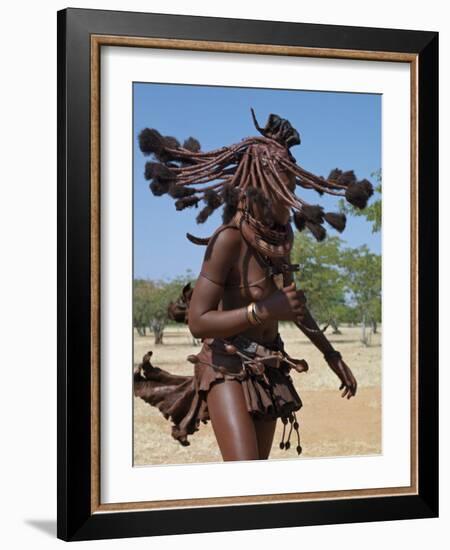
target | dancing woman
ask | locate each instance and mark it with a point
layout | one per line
(241, 380)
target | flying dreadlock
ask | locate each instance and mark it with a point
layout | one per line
(248, 169)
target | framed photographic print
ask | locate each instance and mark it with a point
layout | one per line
(247, 256)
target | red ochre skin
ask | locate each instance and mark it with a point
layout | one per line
(219, 312)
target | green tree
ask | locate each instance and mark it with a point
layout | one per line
(141, 299)
(320, 277)
(372, 212)
(363, 282)
(150, 301)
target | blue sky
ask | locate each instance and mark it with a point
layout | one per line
(338, 130)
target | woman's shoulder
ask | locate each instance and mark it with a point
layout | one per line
(226, 239)
(227, 232)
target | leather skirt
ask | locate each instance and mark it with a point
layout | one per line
(263, 372)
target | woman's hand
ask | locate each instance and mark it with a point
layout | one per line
(284, 304)
(345, 375)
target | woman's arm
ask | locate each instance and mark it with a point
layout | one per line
(205, 321)
(314, 333)
(310, 328)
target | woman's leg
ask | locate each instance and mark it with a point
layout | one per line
(265, 431)
(232, 423)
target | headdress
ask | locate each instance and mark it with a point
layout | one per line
(248, 170)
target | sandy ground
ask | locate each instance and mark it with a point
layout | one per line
(329, 424)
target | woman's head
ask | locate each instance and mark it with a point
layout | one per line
(258, 172)
(267, 198)
(281, 211)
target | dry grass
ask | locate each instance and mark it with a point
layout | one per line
(329, 425)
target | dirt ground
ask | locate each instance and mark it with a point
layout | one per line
(329, 425)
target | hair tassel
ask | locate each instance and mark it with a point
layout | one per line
(179, 191)
(228, 213)
(151, 141)
(313, 213)
(172, 142)
(357, 194)
(336, 220)
(204, 214)
(185, 202)
(212, 199)
(158, 170)
(317, 230)
(159, 187)
(192, 144)
(299, 221)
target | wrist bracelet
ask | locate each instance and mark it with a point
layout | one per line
(331, 354)
(251, 315)
(255, 314)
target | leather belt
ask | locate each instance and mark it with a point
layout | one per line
(256, 356)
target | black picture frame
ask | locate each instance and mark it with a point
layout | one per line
(75, 475)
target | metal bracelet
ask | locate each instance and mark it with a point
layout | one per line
(250, 317)
(255, 315)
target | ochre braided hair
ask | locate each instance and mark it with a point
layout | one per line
(249, 171)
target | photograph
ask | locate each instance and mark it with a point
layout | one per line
(246, 310)
(229, 234)
(257, 267)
